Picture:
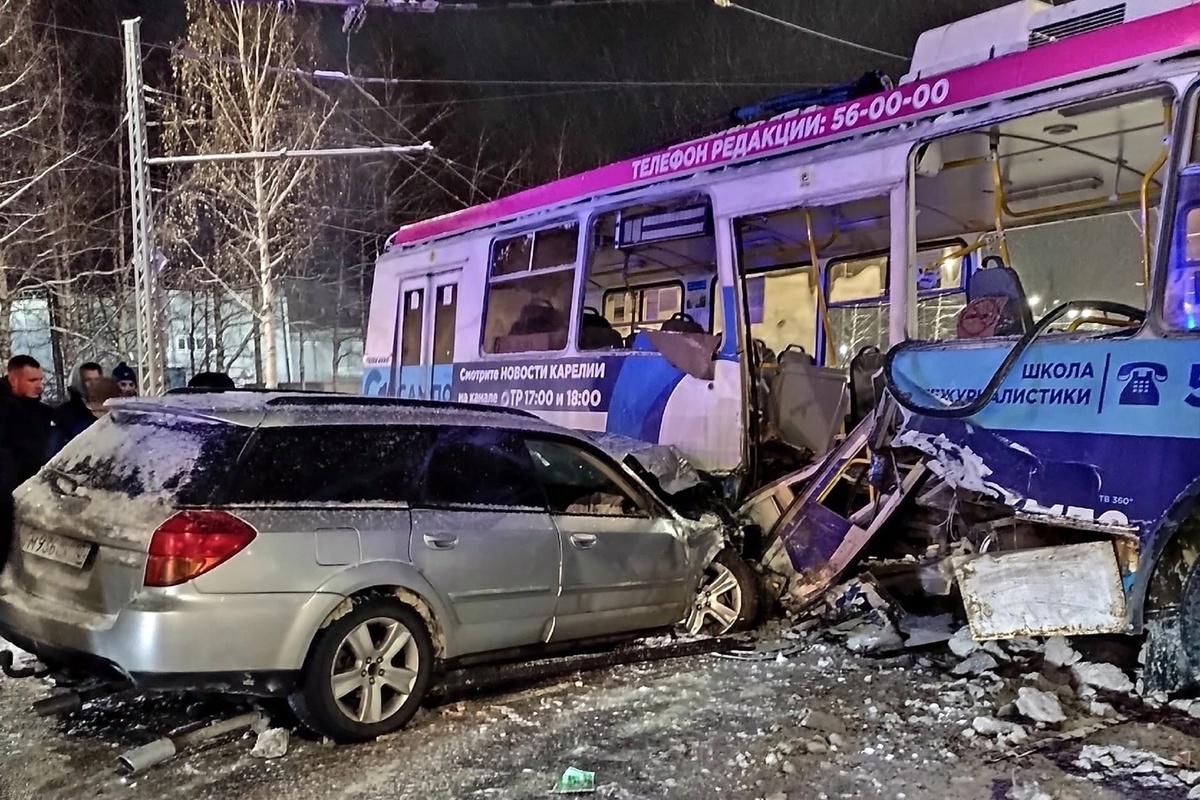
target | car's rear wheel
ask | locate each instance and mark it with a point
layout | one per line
(366, 673)
(727, 600)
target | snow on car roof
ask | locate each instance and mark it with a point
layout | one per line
(241, 407)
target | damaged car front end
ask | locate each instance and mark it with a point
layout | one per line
(728, 597)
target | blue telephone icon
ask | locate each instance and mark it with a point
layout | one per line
(1142, 377)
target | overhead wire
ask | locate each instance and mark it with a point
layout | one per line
(810, 31)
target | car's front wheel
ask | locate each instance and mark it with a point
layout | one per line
(367, 673)
(727, 600)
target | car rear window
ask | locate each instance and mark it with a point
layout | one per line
(331, 464)
(149, 454)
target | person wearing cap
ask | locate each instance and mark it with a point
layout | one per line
(126, 379)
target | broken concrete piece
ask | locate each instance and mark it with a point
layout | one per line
(1021, 645)
(1059, 653)
(816, 746)
(961, 643)
(837, 741)
(871, 637)
(1027, 791)
(1016, 737)
(271, 743)
(1102, 676)
(990, 726)
(1189, 777)
(1039, 706)
(820, 721)
(1099, 709)
(1194, 793)
(996, 651)
(975, 664)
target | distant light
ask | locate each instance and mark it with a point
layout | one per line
(844, 350)
(1036, 300)
(1072, 314)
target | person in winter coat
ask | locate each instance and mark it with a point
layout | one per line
(27, 435)
(96, 394)
(126, 378)
(73, 415)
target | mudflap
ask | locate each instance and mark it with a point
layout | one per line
(1167, 668)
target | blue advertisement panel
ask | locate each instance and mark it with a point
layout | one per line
(1099, 428)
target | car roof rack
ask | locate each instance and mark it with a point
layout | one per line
(247, 390)
(332, 399)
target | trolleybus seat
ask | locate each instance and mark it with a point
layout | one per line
(540, 326)
(807, 403)
(865, 383)
(766, 365)
(597, 333)
(682, 322)
(996, 303)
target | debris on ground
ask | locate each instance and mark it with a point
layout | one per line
(962, 644)
(976, 664)
(822, 722)
(1142, 767)
(1039, 706)
(1027, 791)
(1108, 677)
(575, 781)
(271, 743)
(1060, 654)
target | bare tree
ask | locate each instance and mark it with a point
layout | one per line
(55, 238)
(239, 92)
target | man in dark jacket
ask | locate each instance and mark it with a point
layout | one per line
(74, 415)
(27, 433)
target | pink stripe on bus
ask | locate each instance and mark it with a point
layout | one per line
(1107, 49)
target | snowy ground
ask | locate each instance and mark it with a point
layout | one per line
(692, 728)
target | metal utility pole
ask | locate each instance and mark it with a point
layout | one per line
(150, 353)
(147, 260)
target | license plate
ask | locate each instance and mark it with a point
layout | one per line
(57, 548)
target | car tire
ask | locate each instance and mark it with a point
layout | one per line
(366, 673)
(727, 600)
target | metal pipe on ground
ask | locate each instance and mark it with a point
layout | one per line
(151, 755)
(70, 702)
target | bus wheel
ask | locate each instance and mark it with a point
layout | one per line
(728, 598)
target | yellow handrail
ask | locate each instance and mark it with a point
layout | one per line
(998, 189)
(1101, 321)
(822, 304)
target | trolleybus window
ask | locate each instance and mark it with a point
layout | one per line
(651, 266)
(1053, 200)
(529, 291)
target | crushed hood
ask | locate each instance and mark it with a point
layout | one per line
(668, 466)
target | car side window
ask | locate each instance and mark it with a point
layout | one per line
(471, 466)
(579, 484)
(331, 464)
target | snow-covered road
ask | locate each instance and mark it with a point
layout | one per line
(692, 728)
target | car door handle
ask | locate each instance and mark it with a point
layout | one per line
(583, 541)
(440, 541)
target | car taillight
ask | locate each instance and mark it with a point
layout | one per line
(191, 543)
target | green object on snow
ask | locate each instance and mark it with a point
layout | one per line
(575, 781)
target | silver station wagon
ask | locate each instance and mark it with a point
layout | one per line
(341, 551)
